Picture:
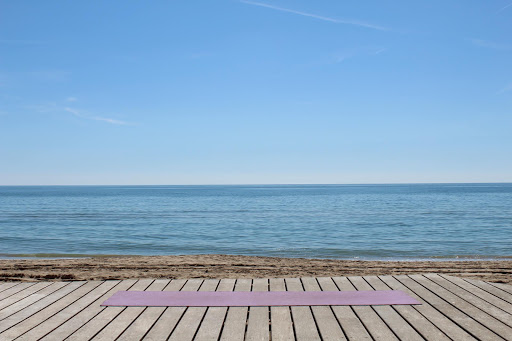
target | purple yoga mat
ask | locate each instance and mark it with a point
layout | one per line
(256, 298)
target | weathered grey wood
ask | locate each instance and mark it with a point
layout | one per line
(393, 320)
(6, 285)
(324, 316)
(189, 323)
(258, 327)
(22, 294)
(466, 322)
(149, 316)
(83, 317)
(36, 307)
(67, 312)
(459, 309)
(428, 330)
(281, 317)
(442, 322)
(49, 310)
(236, 318)
(171, 315)
(347, 318)
(471, 297)
(491, 289)
(371, 320)
(477, 314)
(303, 319)
(122, 321)
(480, 292)
(211, 327)
(15, 289)
(25, 302)
(108, 314)
(504, 287)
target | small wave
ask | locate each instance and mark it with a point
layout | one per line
(54, 255)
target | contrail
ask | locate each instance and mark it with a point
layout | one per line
(319, 17)
(504, 8)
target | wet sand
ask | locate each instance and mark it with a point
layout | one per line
(231, 266)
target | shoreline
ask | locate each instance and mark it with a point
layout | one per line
(57, 256)
(398, 260)
(236, 266)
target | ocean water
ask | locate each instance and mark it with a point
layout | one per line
(418, 221)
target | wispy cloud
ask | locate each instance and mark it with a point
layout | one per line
(319, 17)
(504, 8)
(110, 120)
(490, 44)
(75, 112)
(53, 107)
(81, 114)
(507, 88)
(71, 99)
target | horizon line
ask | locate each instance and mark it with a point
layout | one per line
(269, 184)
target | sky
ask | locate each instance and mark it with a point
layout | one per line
(255, 92)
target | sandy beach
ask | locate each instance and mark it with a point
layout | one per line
(233, 266)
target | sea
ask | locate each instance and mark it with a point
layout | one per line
(372, 222)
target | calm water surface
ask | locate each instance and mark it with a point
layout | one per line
(327, 221)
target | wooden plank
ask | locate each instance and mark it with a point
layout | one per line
(236, 318)
(303, 319)
(280, 317)
(6, 285)
(258, 319)
(108, 314)
(371, 320)
(189, 323)
(504, 287)
(171, 315)
(49, 310)
(480, 292)
(504, 315)
(400, 327)
(477, 314)
(351, 325)
(453, 313)
(421, 324)
(491, 289)
(83, 317)
(15, 289)
(68, 312)
(326, 321)
(123, 320)
(23, 303)
(149, 316)
(23, 294)
(213, 321)
(442, 322)
(38, 306)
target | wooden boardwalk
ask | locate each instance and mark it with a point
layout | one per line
(452, 309)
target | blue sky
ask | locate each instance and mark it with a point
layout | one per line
(249, 92)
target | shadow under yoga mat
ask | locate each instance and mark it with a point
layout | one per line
(256, 298)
